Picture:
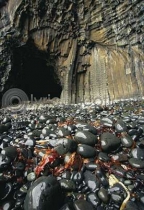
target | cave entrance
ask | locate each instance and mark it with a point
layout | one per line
(33, 71)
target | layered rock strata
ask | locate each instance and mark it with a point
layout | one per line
(97, 45)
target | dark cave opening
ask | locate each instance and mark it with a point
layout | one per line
(33, 71)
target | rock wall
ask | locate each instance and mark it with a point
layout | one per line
(98, 45)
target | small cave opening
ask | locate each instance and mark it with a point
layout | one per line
(34, 72)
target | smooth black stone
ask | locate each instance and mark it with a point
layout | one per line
(20, 166)
(107, 122)
(136, 163)
(44, 193)
(32, 126)
(90, 129)
(66, 175)
(30, 142)
(4, 162)
(68, 206)
(131, 206)
(131, 187)
(67, 185)
(77, 177)
(63, 132)
(86, 151)
(109, 142)
(36, 133)
(82, 205)
(43, 119)
(3, 128)
(6, 120)
(120, 157)
(103, 195)
(61, 150)
(118, 170)
(8, 126)
(142, 199)
(71, 127)
(102, 177)
(132, 125)
(7, 139)
(103, 157)
(80, 125)
(91, 181)
(6, 191)
(130, 174)
(141, 121)
(138, 153)
(120, 126)
(7, 205)
(117, 198)
(19, 202)
(10, 152)
(85, 137)
(91, 166)
(69, 144)
(127, 141)
(140, 177)
(93, 199)
(46, 132)
(51, 121)
(132, 132)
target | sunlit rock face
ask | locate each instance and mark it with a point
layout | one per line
(97, 45)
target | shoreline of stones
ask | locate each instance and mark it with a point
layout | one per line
(61, 157)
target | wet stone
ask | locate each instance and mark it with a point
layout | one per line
(132, 132)
(67, 185)
(69, 144)
(7, 139)
(85, 137)
(4, 162)
(10, 152)
(117, 198)
(131, 187)
(77, 177)
(136, 163)
(66, 175)
(103, 157)
(127, 141)
(138, 153)
(46, 141)
(3, 128)
(103, 195)
(120, 126)
(63, 132)
(6, 190)
(86, 151)
(82, 205)
(30, 142)
(90, 129)
(45, 192)
(91, 181)
(107, 122)
(93, 199)
(46, 132)
(109, 142)
(31, 176)
(7, 205)
(91, 166)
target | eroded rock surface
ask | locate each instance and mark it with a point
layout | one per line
(97, 46)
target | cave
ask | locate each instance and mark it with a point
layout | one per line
(33, 71)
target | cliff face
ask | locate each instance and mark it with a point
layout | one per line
(97, 45)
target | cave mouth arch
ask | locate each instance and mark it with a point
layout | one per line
(34, 72)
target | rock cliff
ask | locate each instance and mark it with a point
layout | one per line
(95, 46)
